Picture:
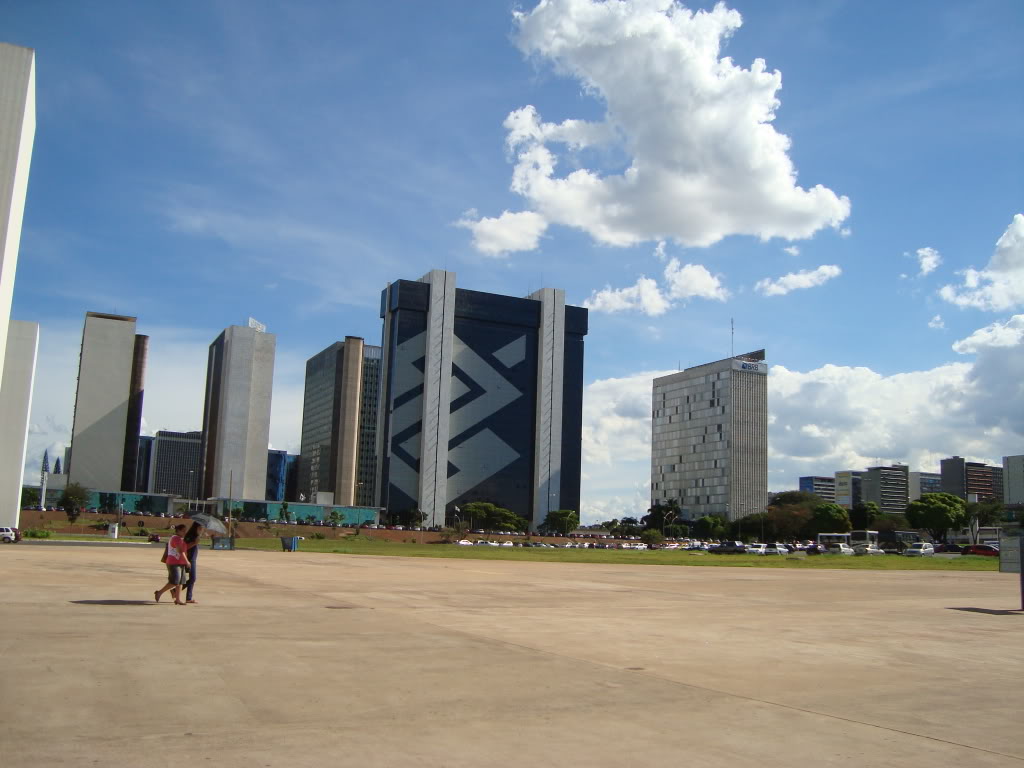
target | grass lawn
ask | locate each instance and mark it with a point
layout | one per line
(363, 545)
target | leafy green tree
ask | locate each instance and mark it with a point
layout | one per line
(336, 517)
(29, 498)
(651, 537)
(285, 513)
(491, 517)
(796, 498)
(561, 521)
(787, 522)
(937, 513)
(828, 518)
(753, 526)
(890, 521)
(863, 515)
(677, 530)
(660, 515)
(629, 526)
(74, 498)
(710, 527)
(986, 512)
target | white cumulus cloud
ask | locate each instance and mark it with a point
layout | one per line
(928, 259)
(689, 281)
(509, 232)
(682, 282)
(794, 281)
(1008, 334)
(1000, 285)
(792, 250)
(704, 160)
(936, 323)
(644, 296)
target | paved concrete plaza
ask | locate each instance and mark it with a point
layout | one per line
(323, 660)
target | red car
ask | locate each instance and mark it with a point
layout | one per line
(980, 549)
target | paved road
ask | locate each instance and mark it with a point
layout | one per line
(302, 659)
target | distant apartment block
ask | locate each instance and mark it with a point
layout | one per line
(339, 424)
(174, 465)
(849, 492)
(710, 437)
(970, 479)
(108, 404)
(16, 387)
(922, 483)
(17, 134)
(823, 487)
(888, 487)
(1013, 479)
(236, 413)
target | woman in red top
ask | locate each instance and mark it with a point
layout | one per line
(176, 558)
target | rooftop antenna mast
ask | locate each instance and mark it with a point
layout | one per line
(732, 338)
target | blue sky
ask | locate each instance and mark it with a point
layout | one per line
(854, 202)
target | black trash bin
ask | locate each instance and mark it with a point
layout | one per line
(290, 543)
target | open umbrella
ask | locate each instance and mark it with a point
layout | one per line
(211, 523)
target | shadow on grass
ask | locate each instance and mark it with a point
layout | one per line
(990, 611)
(112, 602)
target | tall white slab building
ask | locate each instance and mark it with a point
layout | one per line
(15, 407)
(236, 414)
(709, 438)
(108, 404)
(17, 133)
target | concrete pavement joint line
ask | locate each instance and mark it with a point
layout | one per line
(728, 693)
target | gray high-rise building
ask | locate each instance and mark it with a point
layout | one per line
(1013, 479)
(15, 406)
(236, 413)
(709, 438)
(17, 369)
(337, 456)
(968, 479)
(482, 399)
(17, 134)
(108, 404)
(888, 487)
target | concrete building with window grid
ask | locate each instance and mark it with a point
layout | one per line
(337, 454)
(970, 479)
(922, 483)
(1013, 479)
(236, 413)
(482, 399)
(174, 464)
(888, 487)
(709, 438)
(108, 404)
(823, 487)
